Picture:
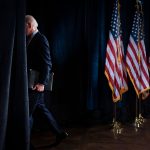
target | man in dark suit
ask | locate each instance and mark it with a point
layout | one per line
(39, 59)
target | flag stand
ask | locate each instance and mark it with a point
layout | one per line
(140, 114)
(117, 129)
(139, 120)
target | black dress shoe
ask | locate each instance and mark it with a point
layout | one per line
(60, 137)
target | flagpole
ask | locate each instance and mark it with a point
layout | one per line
(114, 65)
(145, 94)
(136, 61)
(139, 120)
(116, 125)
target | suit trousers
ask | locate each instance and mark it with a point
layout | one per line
(37, 104)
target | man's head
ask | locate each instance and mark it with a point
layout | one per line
(30, 24)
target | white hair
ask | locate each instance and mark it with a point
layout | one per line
(30, 19)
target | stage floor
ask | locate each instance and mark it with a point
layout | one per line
(97, 137)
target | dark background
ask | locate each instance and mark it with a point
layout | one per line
(78, 31)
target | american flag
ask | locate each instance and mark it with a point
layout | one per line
(149, 62)
(114, 64)
(136, 54)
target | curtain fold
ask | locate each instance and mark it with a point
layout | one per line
(14, 124)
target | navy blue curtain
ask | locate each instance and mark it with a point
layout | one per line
(78, 33)
(14, 124)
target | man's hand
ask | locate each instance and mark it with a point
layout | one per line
(38, 87)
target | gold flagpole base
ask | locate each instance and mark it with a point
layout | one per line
(141, 118)
(117, 129)
(138, 122)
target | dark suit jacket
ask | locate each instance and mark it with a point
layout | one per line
(38, 57)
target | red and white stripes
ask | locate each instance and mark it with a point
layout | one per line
(115, 67)
(137, 65)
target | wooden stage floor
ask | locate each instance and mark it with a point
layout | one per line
(97, 137)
